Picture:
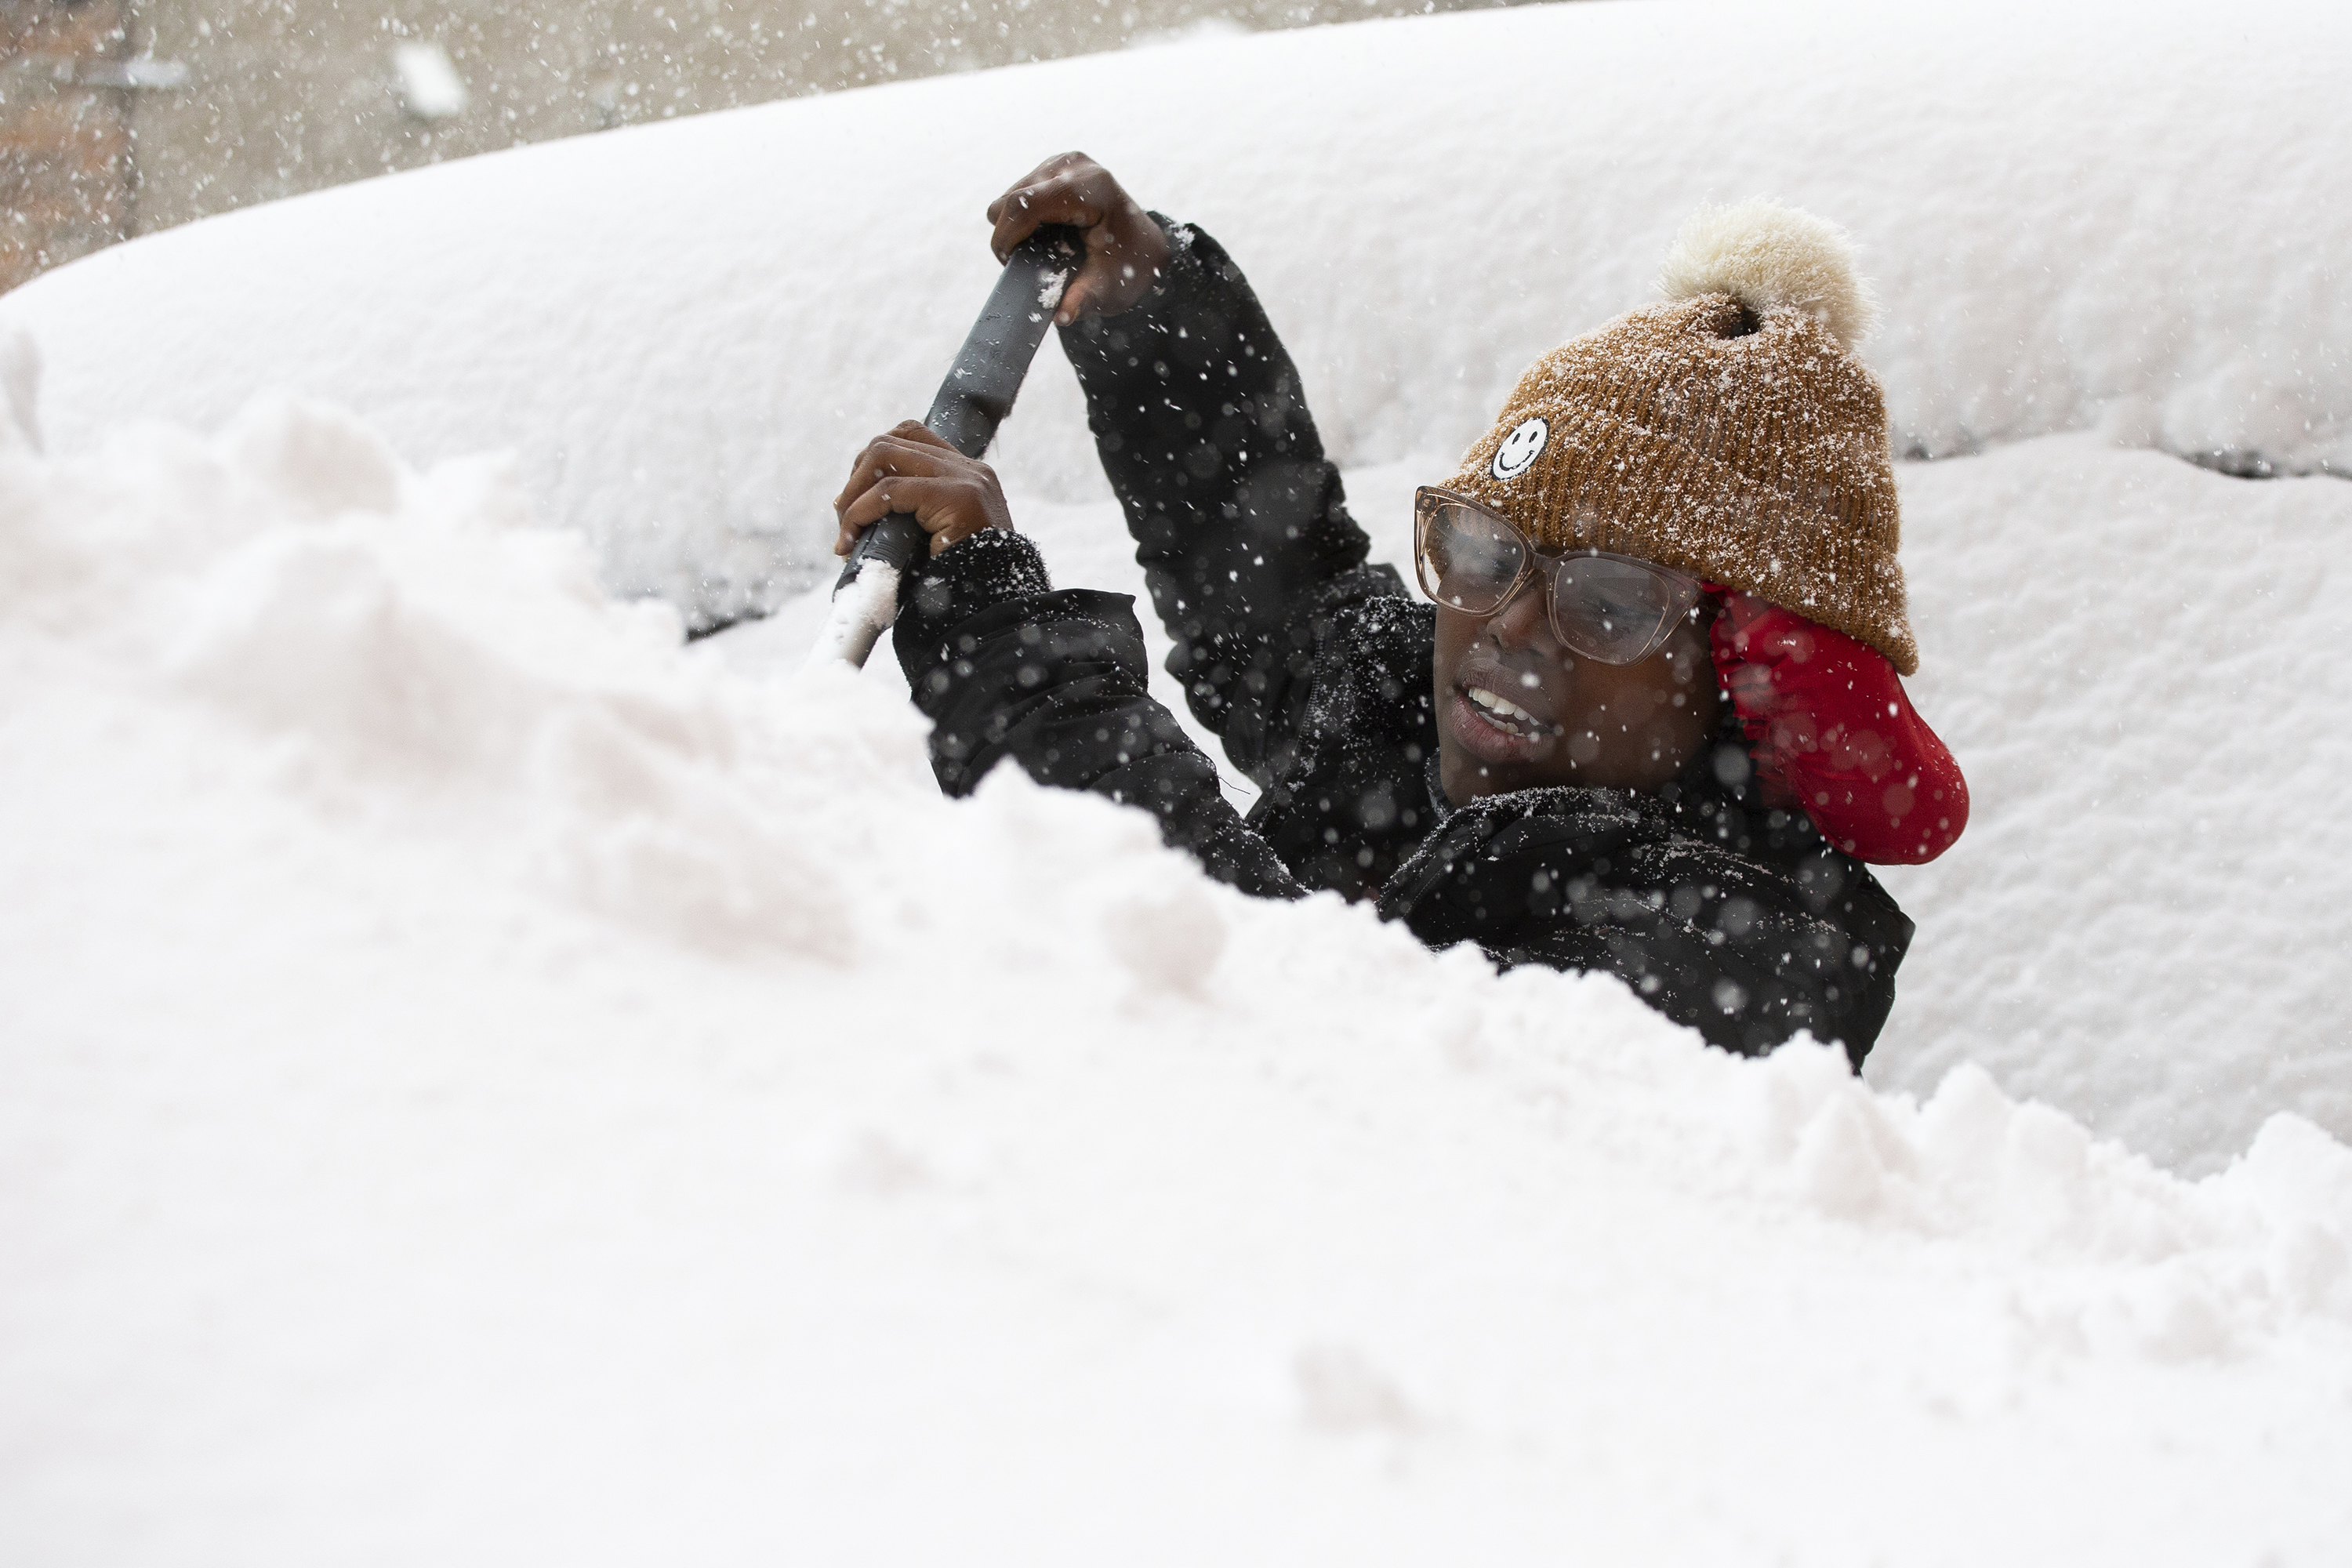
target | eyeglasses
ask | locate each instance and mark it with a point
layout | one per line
(1609, 608)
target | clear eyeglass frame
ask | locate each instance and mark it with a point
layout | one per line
(1610, 608)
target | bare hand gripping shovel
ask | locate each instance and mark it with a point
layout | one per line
(973, 401)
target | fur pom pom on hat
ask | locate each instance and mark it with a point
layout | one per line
(1766, 256)
(1731, 432)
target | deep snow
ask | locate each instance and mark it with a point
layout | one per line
(487, 1081)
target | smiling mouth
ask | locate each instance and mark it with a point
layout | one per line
(1507, 715)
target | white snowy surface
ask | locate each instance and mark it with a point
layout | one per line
(486, 1083)
(2126, 214)
(2147, 921)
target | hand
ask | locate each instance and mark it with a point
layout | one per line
(1125, 248)
(911, 469)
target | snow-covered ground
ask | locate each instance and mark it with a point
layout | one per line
(487, 1082)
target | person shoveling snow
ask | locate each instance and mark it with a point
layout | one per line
(1651, 723)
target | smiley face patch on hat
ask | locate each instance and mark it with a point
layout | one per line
(1522, 447)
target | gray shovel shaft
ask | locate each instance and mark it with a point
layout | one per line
(973, 401)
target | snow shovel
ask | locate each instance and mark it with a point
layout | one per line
(973, 401)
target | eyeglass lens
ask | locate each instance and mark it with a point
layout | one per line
(1468, 561)
(1611, 610)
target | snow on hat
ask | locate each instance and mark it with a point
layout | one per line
(1731, 432)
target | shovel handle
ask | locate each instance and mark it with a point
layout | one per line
(983, 383)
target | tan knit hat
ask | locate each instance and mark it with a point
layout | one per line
(1731, 433)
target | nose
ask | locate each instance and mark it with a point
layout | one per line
(1521, 622)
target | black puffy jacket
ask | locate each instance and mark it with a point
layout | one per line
(1314, 670)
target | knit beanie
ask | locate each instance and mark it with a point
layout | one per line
(1731, 432)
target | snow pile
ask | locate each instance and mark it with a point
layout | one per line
(487, 1081)
(485, 681)
(2145, 922)
(2110, 213)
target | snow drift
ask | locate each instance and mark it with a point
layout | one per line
(487, 1081)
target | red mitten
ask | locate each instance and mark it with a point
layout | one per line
(1831, 729)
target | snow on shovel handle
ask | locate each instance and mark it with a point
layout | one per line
(974, 400)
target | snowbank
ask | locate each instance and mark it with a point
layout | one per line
(488, 1082)
(2110, 213)
(2145, 922)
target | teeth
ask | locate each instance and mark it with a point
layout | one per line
(1503, 707)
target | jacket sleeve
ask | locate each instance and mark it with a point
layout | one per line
(1240, 522)
(1006, 667)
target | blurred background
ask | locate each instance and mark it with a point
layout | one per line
(119, 117)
